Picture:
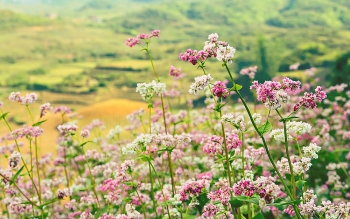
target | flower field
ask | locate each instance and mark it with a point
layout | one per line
(284, 154)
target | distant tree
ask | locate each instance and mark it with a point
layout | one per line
(341, 70)
(264, 68)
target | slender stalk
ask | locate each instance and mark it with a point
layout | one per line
(37, 168)
(288, 156)
(92, 178)
(171, 173)
(24, 195)
(226, 152)
(264, 144)
(243, 160)
(25, 165)
(151, 193)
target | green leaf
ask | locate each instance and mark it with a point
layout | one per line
(285, 203)
(288, 118)
(84, 143)
(300, 184)
(143, 157)
(14, 177)
(253, 199)
(39, 123)
(238, 87)
(3, 116)
(235, 203)
(259, 216)
(49, 202)
(265, 128)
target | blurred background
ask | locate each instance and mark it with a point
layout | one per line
(73, 52)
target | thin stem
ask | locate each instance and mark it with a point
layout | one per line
(171, 173)
(37, 168)
(288, 155)
(151, 193)
(92, 178)
(226, 152)
(15, 184)
(264, 144)
(243, 160)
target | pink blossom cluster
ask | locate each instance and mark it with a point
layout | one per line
(133, 41)
(250, 71)
(220, 90)
(309, 99)
(27, 99)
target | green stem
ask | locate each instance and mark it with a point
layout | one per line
(92, 178)
(171, 173)
(264, 144)
(226, 152)
(151, 193)
(37, 168)
(288, 155)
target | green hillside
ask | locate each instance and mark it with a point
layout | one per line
(44, 53)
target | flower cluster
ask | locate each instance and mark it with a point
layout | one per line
(309, 99)
(133, 41)
(250, 71)
(149, 90)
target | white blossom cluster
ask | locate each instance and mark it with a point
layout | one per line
(113, 132)
(140, 143)
(225, 53)
(236, 121)
(200, 83)
(149, 90)
(278, 135)
(298, 127)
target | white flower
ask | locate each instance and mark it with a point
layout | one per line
(200, 83)
(225, 53)
(278, 135)
(311, 151)
(299, 127)
(257, 118)
(148, 91)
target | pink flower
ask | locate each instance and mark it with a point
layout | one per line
(309, 99)
(219, 89)
(175, 72)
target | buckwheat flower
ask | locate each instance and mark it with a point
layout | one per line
(46, 107)
(191, 188)
(233, 141)
(245, 187)
(62, 109)
(175, 72)
(116, 131)
(212, 145)
(15, 97)
(278, 135)
(257, 118)
(298, 127)
(1, 104)
(29, 98)
(132, 41)
(131, 212)
(309, 99)
(85, 133)
(71, 205)
(14, 159)
(213, 37)
(289, 210)
(311, 151)
(66, 192)
(67, 129)
(210, 211)
(220, 90)
(225, 53)
(148, 91)
(290, 85)
(302, 166)
(155, 33)
(200, 83)
(250, 71)
(86, 215)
